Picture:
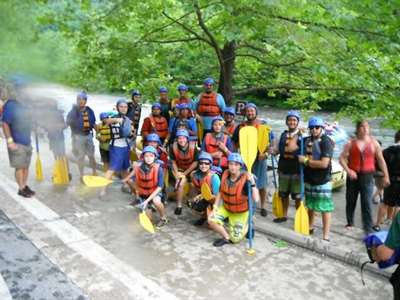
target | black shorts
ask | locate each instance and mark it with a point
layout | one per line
(391, 194)
(105, 155)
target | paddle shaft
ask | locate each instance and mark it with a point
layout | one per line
(273, 170)
(250, 215)
(301, 169)
(37, 142)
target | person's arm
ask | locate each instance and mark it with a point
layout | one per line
(343, 160)
(254, 191)
(7, 134)
(191, 168)
(152, 195)
(381, 163)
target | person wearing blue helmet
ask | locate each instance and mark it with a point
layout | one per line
(183, 98)
(218, 143)
(230, 124)
(103, 135)
(135, 109)
(317, 157)
(209, 105)
(288, 166)
(260, 165)
(183, 155)
(204, 174)
(231, 204)
(121, 130)
(154, 140)
(182, 121)
(82, 121)
(147, 183)
(166, 108)
(155, 123)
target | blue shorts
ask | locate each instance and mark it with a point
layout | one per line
(260, 171)
(119, 158)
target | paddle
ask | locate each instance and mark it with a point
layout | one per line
(301, 223)
(248, 150)
(96, 181)
(200, 131)
(60, 171)
(206, 192)
(39, 170)
(277, 207)
(144, 220)
(262, 137)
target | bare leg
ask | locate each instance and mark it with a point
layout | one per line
(263, 197)
(218, 229)
(326, 224)
(285, 204)
(311, 218)
(19, 178)
(25, 173)
(383, 208)
(160, 207)
(179, 192)
(92, 163)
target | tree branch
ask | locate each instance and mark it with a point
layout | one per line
(269, 63)
(189, 39)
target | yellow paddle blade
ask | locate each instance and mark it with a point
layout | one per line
(57, 177)
(186, 188)
(64, 170)
(206, 192)
(301, 224)
(139, 142)
(146, 223)
(200, 131)
(133, 156)
(96, 181)
(166, 179)
(39, 170)
(263, 137)
(248, 145)
(277, 207)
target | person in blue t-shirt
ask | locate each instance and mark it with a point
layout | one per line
(17, 131)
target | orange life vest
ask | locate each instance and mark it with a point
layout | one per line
(211, 146)
(232, 193)
(362, 162)
(208, 105)
(183, 159)
(146, 182)
(206, 179)
(160, 126)
(229, 130)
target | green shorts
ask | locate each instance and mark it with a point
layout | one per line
(319, 197)
(289, 184)
(237, 223)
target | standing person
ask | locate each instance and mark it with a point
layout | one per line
(147, 180)
(104, 137)
(165, 103)
(204, 175)
(183, 155)
(82, 121)
(377, 196)
(230, 124)
(288, 166)
(55, 127)
(155, 123)
(209, 105)
(217, 143)
(135, 110)
(317, 174)
(121, 128)
(182, 121)
(17, 129)
(260, 165)
(183, 99)
(391, 195)
(358, 159)
(232, 203)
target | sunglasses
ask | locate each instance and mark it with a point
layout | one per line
(204, 163)
(314, 127)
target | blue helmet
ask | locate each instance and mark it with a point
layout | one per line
(156, 106)
(229, 110)
(251, 105)
(82, 95)
(150, 149)
(182, 132)
(234, 156)
(153, 137)
(315, 121)
(205, 156)
(163, 89)
(209, 80)
(183, 106)
(136, 93)
(121, 101)
(182, 87)
(104, 115)
(217, 118)
(293, 113)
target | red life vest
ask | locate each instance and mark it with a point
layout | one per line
(206, 179)
(183, 159)
(257, 123)
(208, 105)
(160, 126)
(146, 182)
(211, 146)
(229, 130)
(184, 100)
(232, 193)
(362, 162)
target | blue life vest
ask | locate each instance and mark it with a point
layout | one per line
(377, 239)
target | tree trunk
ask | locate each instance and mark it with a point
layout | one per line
(226, 71)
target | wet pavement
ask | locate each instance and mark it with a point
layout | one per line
(93, 246)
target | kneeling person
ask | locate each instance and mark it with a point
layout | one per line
(235, 203)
